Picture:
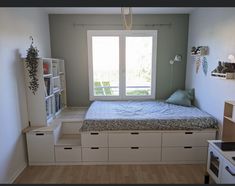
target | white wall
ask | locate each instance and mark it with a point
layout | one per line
(213, 27)
(16, 25)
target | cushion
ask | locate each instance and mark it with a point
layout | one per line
(182, 97)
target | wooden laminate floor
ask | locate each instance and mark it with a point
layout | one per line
(113, 174)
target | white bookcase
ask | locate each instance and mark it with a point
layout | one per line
(50, 98)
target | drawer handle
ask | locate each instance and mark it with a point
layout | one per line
(212, 154)
(188, 132)
(94, 133)
(39, 134)
(187, 147)
(94, 147)
(68, 148)
(134, 147)
(230, 172)
(134, 133)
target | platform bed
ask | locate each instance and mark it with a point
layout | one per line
(115, 132)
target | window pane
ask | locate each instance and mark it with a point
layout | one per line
(138, 66)
(105, 58)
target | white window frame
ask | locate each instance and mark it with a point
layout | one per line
(122, 73)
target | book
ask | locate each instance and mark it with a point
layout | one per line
(47, 86)
(45, 68)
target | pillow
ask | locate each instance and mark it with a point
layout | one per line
(182, 97)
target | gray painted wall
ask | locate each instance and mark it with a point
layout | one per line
(213, 27)
(69, 42)
(17, 24)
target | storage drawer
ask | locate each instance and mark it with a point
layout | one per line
(94, 139)
(184, 154)
(227, 173)
(95, 154)
(68, 154)
(40, 147)
(139, 139)
(188, 138)
(133, 154)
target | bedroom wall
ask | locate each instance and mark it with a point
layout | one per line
(69, 42)
(17, 24)
(213, 27)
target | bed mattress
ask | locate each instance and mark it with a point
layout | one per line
(145, 115)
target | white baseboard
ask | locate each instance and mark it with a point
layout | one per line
(17, 173)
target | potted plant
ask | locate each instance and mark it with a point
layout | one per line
(32, 66)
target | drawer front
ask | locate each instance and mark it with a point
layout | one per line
(228, 173)
(187, 138)
(95, 154)
(40, 147)
(68, 154)
(94, 139)
(139, 139)
(134, 154)
(184, 154)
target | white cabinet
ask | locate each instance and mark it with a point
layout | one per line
(94, 154)
(220, 165)
(94, 139)
(40, 147)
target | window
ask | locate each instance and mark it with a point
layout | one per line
(122, 64)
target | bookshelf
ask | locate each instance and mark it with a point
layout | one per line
(50, 98)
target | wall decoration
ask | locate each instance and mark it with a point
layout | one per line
(198, 52)
(198, 63)
(204, 65)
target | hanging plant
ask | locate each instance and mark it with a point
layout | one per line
(32, 66)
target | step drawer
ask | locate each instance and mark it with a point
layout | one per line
(188, 138)
(228, 173)
(139, 139)
(68, 154)
(184, 154)
(134, 154)
(94, 139)
(95, 154)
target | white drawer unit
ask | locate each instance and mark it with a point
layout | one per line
(184, 154)
(134, 154)
(187, 138)
(95, 154)
(94, 139)
(227, 173)
(40, 147)
(140, 139)
(68, 154)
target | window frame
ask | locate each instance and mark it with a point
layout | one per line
(122, 62)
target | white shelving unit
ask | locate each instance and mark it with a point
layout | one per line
(50, 98)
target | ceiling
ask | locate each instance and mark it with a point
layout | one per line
(116, 10)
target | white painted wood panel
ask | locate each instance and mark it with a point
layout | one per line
(134, 154)
(68, 154)
(94, 139)
(171, 154)
(139, 139)
(71, 127)
(189, 138)
(40, 147)
(94, 154)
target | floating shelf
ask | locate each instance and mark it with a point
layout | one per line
(224, 75)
